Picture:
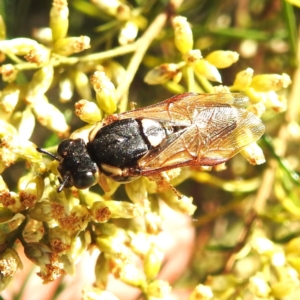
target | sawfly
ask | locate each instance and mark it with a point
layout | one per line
(185, 130)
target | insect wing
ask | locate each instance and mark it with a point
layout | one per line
(214, 130)
(181, 108)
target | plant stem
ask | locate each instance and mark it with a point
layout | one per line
(143, 44)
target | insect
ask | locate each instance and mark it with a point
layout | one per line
(185, 130)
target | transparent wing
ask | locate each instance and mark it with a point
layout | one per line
(182, 109)
(216, 135)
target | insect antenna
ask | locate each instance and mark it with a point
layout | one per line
(63, 182)
(48, 153)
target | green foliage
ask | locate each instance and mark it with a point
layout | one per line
(98, 57)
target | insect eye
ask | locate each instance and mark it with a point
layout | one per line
(85, 180)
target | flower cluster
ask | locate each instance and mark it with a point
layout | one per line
(56, 229)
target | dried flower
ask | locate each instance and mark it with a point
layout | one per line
(41, 255)
(9, 264)
(162, 73)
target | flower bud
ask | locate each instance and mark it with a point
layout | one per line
(9, 72)
(222, 59)
(18, 46)
(59, 19)
(20, 147)
(183, 34)
(257, 109)
(254, 154)
(88, 111)
(243, 79)
(79, 247)
(43, 35)
(112, 239)
(162, 73)
(137, 191)
(123, 209)
(270, 82)
(71, 45)
(51, 117)
(105, 92)
(140, 243)
(38, 253)
(42, 211)
(114, 8)
(274, 101)
(202, 292)
(183, 204)
(293, 246)
(93, 293)
(255, 96)
(40, 83)
(128, 33)
(2, 29)
(7, 158)
(6, 129)
(153, 222)
(263, 245)
(283, 289)
(102, 271)
(66, 89)
(206, 69)
(294, 261)
(115, 71)
(153, 262)
(82, 85)
(9, 98)
(259, 286)
(33, 192)
(5, 214)
(158, 289)
(25, 121)
(131, 275)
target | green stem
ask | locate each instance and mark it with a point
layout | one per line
(143, 44)
(289, 16)
(283, 164)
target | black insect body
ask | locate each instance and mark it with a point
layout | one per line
(185, 130)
